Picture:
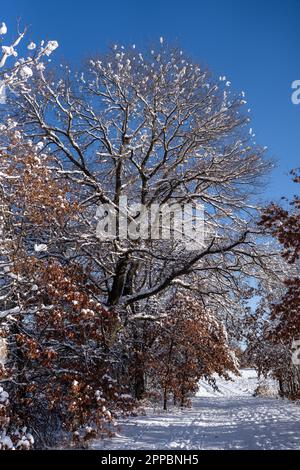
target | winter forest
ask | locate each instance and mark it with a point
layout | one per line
(95, 331)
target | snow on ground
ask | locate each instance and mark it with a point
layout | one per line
(229, 419)
(244, 385)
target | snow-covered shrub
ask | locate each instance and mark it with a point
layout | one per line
(12, 437)
(187, 345)
(59, 370)
(274, 329)
(266, 389)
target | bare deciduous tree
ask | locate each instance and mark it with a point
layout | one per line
(157, 128)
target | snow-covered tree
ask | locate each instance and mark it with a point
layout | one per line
(190, 344)
(157, 128)
(284, 327)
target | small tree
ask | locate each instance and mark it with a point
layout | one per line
(191, 344)
(285, 311)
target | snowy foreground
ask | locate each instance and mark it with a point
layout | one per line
(229, 419)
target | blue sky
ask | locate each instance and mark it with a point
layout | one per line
(254, 43)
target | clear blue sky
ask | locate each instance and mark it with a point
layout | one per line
(255, 43)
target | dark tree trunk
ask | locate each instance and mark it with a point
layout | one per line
(118, 282)
(139, 388)
(165, 406)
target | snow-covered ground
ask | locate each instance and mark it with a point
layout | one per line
(244, 385)
(229, 419)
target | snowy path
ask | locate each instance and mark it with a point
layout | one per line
(232, 419)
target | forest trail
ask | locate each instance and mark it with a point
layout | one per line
(229, 419)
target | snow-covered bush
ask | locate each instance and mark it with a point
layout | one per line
(12, 438)
(275, 326)
(57, 330)
(267, 387)
(187, 345)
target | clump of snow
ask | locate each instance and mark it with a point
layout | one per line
(40, 247)
(3, 29)
(9, 50)
(50, 47)
(40, 66)
(25, 443)
(39, 145)
(26, 72)
(6, 442)
(31, 46)
(3, 397)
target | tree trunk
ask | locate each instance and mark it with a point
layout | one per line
(139, 388)
(165, 399)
